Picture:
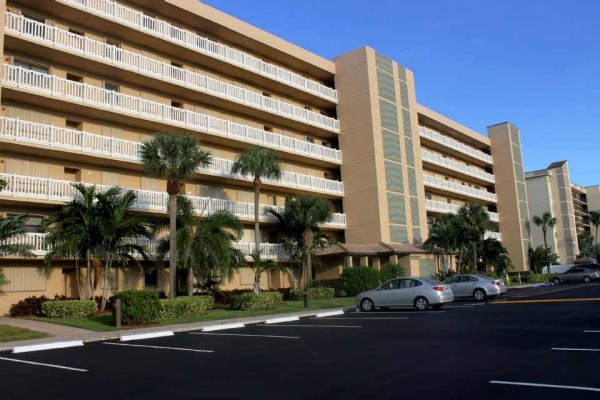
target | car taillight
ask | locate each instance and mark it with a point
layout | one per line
(438, 288)
(497, 283)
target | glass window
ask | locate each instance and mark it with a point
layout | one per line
(30, 66)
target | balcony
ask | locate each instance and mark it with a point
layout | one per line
(454, 144)
(53, 37)
(20, 186)
(445, 185)
(81, 93)
(151, 26)
(444, 208)
(89, 144)
(493, 235)
(37, 241)
(456, 166)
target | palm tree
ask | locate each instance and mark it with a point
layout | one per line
(540, 257)
(443, 237)
(595, 221)
(10, 228)
(477, 221)
(120, 231)
(2, 184)
(174, 158)
(259, 266)
(259, 163)
(204, 244)
(495, 256)
(299, 223)
(74, 230)
(545, 221)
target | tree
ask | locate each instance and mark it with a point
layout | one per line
(120, 230)
(299, 223)
(477, 221)
(495, 256)
(545, 221)
(585, 240)
(74, 231)
(3, 184)
(540, 257)
(444, 237)
(595, 222)
(259, 266)
(174, 158)
(205, 245)
(259, 163)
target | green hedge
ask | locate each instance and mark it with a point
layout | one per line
(252, 302)
(313, 293)
(186, 307)
(69, 308)
(359, 279)
(138, 306)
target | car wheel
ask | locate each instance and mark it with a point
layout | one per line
(367, 304)
(587, 279)
(479, 294)
(556, 281)
(437, 306)
(421, 304)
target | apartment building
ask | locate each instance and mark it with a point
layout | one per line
(85, 82)
(551, 190)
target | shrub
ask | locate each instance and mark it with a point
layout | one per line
(69, 308)
(313, 293)
(186, 307)
(391, 271)
(138, 306)
(443, 275)
(261, 301)
(224, 296)
(28, 306)
(336, 284)
(109, 302)
(359, 279)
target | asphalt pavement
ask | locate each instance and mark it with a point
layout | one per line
(539, 343)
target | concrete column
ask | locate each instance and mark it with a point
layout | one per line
(394, 259)
(364, 260)
(376, 263)
(348, 261)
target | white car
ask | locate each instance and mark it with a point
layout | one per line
(477, 286)
(406, 292)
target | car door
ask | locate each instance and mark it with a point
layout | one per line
(406, 292)
(466, 286)
(387, 293)
(573, 275)
(454, 284)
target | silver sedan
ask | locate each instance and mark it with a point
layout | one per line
(477, 286)
(406, 292)
(576, 274)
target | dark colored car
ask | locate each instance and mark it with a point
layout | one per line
(576, 274)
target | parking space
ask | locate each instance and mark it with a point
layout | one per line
(492, 349)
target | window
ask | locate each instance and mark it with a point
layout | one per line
(427, 196)
(395, 284)
(310, 140)
(75, 125)
(112, 50)
(177, 104)
(176, 71)
(266, 94)
(308, 108)
(76, 32)
(74, 78)
(33, 17)
(150, 277)
(31, 66)
(113, 89)
(268, 128)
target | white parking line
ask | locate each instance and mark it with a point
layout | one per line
(241, 334)
(151, 335)
(475, 304)
(315, 326)
(458, 307)
(282, 319)
(329, 313)
(221, 327)
(546, 385)
(572, 349)
(159, 347)
(44, 365)
(352, 318)
(591, 331)
(396, 312)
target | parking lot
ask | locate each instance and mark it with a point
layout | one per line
(537, 343)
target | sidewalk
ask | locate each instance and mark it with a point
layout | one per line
(60, 333)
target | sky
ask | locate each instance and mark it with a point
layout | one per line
(533, 63)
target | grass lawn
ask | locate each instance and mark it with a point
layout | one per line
(12, 334)
(104, 322)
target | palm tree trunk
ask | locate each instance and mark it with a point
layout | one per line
(172, 245)
(256, 215)
(256, 286)
(475, 256)
(544, 233)
(77, 277)
(88, 278)
(596, 235)
(105, 288)
(306, 264)
(190, 281)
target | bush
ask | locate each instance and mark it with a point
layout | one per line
(109, 303)
(313, 293)
(443, 275)
(186, 307)
(69, 308)
(252, 302)
(28, 306)
(336, 284)
(359, 279)
(224, 296)
(391, 271)
(138, 306)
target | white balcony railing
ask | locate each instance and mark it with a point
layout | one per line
(493, 235)
(37, 241)
(90, 144)
(438, 206)
(438, 183)
(35, 82)
(147, 200)
(118, 13)
(456, 166)
(54, 37)
(454, 144)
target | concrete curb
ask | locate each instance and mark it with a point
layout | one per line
(100, 336)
